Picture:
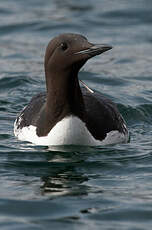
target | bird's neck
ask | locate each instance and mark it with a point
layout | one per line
(64, 95)
(64, 98)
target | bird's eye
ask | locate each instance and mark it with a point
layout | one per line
(64, 46)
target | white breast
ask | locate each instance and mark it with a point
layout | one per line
(69, 131)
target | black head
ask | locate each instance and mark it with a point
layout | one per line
(68, 51)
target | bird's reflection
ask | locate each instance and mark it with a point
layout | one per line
(65, 176)
(63, 184)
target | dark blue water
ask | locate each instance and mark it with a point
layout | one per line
(77, 188)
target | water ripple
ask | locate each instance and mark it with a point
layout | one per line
(77, 187)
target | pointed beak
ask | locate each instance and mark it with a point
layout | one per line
(95, 49)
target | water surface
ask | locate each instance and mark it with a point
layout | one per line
(77, 187)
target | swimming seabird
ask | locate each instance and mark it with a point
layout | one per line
(67, 114)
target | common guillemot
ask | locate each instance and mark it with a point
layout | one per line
(68, 114)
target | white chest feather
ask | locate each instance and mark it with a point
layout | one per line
(69, 131)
